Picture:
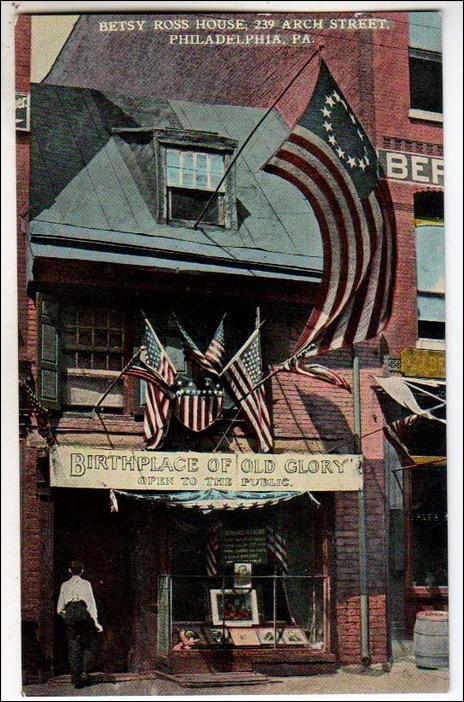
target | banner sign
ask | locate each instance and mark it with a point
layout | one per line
(126, 469)
(412, 168)
(423, 363)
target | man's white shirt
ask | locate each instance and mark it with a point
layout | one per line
(74, 590)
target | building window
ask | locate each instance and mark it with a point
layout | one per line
(425, 69)
(191, 168)
(93, 342)
(192, 177)
(429, 527)
(430, 251)
(425, 81)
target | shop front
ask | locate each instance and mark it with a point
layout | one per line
(204, 561)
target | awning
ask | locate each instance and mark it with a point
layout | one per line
(408, 391)
(209, 500)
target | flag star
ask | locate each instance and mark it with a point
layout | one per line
(336, 96)
(344, 104)
(327, 126)
(329, 100)
(362, 165)
(340, 152)
(361, 136)
(351, 161)
(326, 112)
(353, 118)
(332, 140)
(366, 160)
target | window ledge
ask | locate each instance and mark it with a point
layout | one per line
(89, 373)
(431, 344)
(426, 115)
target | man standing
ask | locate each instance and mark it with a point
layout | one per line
(76, 604)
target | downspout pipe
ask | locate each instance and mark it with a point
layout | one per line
(362, 536)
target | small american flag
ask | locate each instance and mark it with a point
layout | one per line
(216, 349)
(330, 159)
(315, 370)
(242, 374)
(194, 357)
(277, 547)
(41, 413)
(159, 373)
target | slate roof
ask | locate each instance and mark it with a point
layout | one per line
(93, 191)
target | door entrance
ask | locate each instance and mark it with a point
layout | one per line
(87, 531)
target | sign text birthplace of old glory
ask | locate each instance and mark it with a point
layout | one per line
(85, 467)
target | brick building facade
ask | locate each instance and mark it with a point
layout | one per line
(308, 416)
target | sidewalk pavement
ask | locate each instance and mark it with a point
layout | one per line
(404, 677)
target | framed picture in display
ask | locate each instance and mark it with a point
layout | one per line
(234, 607)
(244, 636)
(293, 636)
(216, 636)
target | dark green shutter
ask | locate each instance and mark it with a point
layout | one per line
(49, 352)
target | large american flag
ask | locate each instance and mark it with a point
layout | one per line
(242, 374)
(330, 159)
(157, 370)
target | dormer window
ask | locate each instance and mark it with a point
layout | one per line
(191, 166)
(192, 177)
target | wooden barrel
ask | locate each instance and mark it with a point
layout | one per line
(431, 639)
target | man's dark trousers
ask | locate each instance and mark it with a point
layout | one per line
(82, 645)
(82, 651)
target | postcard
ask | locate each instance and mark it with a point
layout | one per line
(232, 339)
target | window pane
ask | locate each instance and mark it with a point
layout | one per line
(188, 205)
(99, 361)
(202, 171)
(173, 158)
(430, 244)
(114, 361)
(70, 336)
(115, 318)
(217, 170)
(85, 337)
(431, 307)
(188, 174)
(425, 78)
(431, 330)
(70, 359)
(84, 360)
(115, 340)
(69, 316)
(100, 318)
(101, 337)
(425, 30)
(85, 318)
(173, 167)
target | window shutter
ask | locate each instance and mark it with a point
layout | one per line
(49, 352)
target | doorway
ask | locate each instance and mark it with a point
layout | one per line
(87, 531)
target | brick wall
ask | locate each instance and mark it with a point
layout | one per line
(23, 70)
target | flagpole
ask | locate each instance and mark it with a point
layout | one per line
(108, 390)
(232, 163)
